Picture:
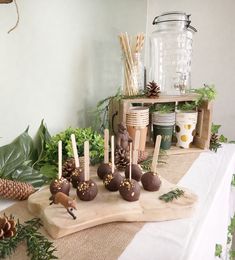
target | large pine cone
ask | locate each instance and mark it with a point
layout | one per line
(121, 158)
(7, 227)
(68, 168)
(153, 90)
(15, 190)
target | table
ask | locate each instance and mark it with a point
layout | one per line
(194, 238)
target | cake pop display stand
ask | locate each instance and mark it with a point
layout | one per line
(109, 207)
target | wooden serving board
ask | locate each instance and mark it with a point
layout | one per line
(109, 207)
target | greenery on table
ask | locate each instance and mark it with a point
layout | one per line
(206, 93)
(38, 246)
(216, 140)
(233, 180)
(230, 234)
(218, 250)
(81, 134)
(147, 164)
(171, 195)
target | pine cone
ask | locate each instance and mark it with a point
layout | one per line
(121, 158)
(214, 142)
(7, 227)
(153, 90)
(68, 168)
(15, 190)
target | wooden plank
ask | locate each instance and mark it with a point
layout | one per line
(109, 207)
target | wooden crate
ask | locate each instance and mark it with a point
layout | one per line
(118, 110)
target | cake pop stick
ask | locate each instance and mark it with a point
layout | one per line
(156, 153)
(75, 151)
(86, 161)
(136, 147)
(112, 152)
(106, 145)
(130, 161)
(59, 160)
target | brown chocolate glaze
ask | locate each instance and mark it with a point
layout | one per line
(129, 190)
(61, 185)
(112, 181)
(103, 169)
(77, 176)
(151, 181)
(136, 172)
(87, 190)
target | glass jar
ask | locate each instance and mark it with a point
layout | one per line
(170, 50)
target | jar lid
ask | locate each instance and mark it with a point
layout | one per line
(174, 17)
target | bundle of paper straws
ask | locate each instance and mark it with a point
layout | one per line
(131, 50)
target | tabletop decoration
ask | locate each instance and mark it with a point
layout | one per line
(171, 195)
(87, 189)
(150, 180)
(38, 246)
(112, 180)
(129, 188)
(78, 172)
(153, 90)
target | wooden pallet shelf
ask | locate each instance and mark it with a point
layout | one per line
(119, 108)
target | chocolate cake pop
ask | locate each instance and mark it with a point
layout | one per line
(77, 176)
(129, 190)
(87, 190)
(61, 185)
(136, 172)
(151, 181)
(104, 169)
(112, 181)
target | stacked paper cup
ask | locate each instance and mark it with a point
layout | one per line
(137, 118)
(163, 124)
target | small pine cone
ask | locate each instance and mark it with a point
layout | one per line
(68, 168)
(7, 227)
(153, 90)
(121, 158)
(15, 190)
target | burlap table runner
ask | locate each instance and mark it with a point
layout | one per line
(105, 241)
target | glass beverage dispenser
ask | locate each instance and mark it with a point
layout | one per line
(170, 50)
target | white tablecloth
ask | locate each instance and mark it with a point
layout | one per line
(194, 238)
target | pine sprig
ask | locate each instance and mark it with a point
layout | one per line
(174, 194)
(38, 246)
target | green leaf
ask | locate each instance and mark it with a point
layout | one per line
(233, 180)
(218, 250)
(49, 171)
(215, 128)
(223, 139)
(42, 137)
(15, 154)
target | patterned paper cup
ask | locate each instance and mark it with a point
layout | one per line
(185, 128)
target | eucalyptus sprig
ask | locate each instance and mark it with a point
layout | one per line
(174, 194)
(38, 246)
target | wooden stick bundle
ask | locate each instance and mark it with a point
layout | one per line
(130, 62)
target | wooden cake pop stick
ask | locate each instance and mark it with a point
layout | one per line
(136, 147)
(130, 161)
(75, 151)
(59, 160)
(112, 153)
(156, 153)
(106, 145)
(86, 161)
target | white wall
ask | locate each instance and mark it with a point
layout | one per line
(213, 50)
(63, 57)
